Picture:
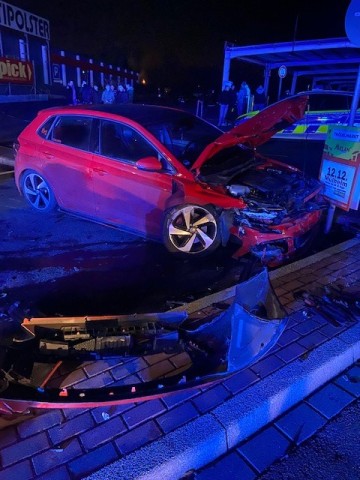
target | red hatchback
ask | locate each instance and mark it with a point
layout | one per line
(170, 176)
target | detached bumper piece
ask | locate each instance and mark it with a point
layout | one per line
(214, 347)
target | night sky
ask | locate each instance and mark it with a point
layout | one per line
(181, 42)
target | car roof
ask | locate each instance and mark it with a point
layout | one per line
(143, 114)
(320, 91)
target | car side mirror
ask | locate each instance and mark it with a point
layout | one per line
(150, 164)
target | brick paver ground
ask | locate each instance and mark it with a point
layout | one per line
(255, 455)
(70, 444)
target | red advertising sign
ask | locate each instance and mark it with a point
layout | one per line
(16, 71)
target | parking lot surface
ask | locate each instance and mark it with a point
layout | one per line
(168, 436)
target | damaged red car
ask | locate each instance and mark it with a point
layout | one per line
(170, 176)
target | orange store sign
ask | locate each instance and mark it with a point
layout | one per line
(15, 71)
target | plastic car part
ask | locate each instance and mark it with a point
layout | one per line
(216, 346)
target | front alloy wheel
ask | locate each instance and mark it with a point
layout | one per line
(191, 229)
(37, 192)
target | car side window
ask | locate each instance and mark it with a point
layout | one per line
(122, 142)
(72, 130)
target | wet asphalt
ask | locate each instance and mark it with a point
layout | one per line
(59, 264)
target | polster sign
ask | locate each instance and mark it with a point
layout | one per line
(16, 71)
(23, 21)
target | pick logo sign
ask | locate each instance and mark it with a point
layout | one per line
(15, 71)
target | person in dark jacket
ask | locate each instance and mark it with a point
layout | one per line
(232, 110)
(259, 98)
(86, 93)
(96, 94)
(224, 101)
(121, 95)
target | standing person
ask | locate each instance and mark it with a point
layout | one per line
(96, 95)
(121, 95)
(224, 101)
(108, 95)
(232, 110)
(259, 98)
(86, 93)
(130, 91)
(243, 98)
(71, 93)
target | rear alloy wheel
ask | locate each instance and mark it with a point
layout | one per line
(37, 192)
(191, 230)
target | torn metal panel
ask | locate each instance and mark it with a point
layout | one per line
(215, 346)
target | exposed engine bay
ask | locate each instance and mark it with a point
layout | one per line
(272, 192)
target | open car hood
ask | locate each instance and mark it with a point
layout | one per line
(258, 129)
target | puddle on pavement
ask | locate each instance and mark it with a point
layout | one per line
(137, 278)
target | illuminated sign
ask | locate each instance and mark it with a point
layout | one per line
(16, 71)
(282, 72)
(56, 72)
(23, 21)
(340, 168)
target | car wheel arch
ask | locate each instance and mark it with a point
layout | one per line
(213, 233)
(50, 198)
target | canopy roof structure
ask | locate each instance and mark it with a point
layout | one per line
(333, 60)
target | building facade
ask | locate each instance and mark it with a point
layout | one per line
(29, 66)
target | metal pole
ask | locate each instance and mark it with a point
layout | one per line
(293, 83)
(280, 86)
(49, 62)
(226, 69)
(329, 218)
(267, 73)
(1, 45)
(34, 84)
(355, 100)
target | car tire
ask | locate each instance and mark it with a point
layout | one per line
(37, 192)
(191, 230)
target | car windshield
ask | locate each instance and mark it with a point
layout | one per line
(185, 135)
(324, 101)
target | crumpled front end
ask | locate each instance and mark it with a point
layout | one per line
(273, 246)
(282, 210)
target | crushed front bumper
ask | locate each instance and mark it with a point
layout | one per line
(273, 248)
(216, 346)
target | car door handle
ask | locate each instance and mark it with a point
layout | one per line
(100, 171)
(48, 155)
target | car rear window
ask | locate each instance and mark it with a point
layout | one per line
(45, 128)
